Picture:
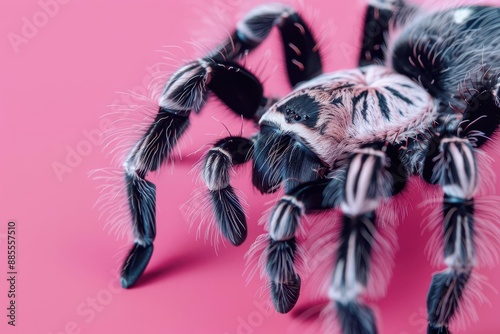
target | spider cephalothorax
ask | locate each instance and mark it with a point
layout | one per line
(337, 112)
(348, 140)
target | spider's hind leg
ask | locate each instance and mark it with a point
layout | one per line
(372, 174)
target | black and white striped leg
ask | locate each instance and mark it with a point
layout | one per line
(217, 166)
(186, 91)
(147, 156)
(281, 251)
(302, 56)
(379, 16)
(370, 176)
(454, 169)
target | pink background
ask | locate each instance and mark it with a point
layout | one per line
(57, 86)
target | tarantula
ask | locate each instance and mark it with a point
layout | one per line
(421, 104)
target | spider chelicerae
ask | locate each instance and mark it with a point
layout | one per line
(422, 103)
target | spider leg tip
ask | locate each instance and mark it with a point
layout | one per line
(125, 283)
(135, 264)
(285, 295)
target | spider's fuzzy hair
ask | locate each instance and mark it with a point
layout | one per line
(476, 293)
(486, 245)
(323, 241)
(469, 53)
(256, 259)
(136, 110)
(256, 256)
(130, 116)
(486, 226)
(220, 18)
(112, 203)
(486, 217)
(349, 114)
(198, 210)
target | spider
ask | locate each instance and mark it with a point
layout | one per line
(422, 103)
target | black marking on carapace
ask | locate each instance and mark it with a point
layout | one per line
(399, 95)
(337, 101)
(301, 109)
(382, 104)
(356, 100)
(348, 85)
(406, 85)
(323, 128)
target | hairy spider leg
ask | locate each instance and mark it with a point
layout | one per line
(459, 65)
(275, 154)
(451, 163)
(380, 15)
(218, 163)
(454, 168)
(281, 251)
(302, 57)
(280, 159)
(372, 173)
(303, 62)
(187, 90)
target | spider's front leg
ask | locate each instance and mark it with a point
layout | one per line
(219, 161)
(187, 89)
(281, 251)
(373, 172)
